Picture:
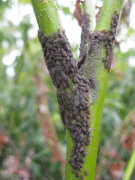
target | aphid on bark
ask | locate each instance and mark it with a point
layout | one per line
(48, 46)
(81, 61)
(82, 177)
(87, 123)
(79, 132)
(84, 153)
(62, 66)
(56, 41)
(81, 149)
(87, 142)
(79, 124)
(78, 145)
(84, 124)
(77, 174)
(85, 172)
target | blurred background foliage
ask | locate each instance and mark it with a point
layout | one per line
(32, 136)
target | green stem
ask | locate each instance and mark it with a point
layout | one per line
(46, 15)
(89, 7)
(107, 11)
(130, 167)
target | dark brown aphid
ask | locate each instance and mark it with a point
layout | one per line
(83, 129)
(84, 153)
(56, 35)
(78, 145)
(87, 142)
(82, 177)
(81, 61)
(81, 149)
(56, 41)
(87, 123)
(77, 174)
(85, 172)
(81, 166)
(83, 161)
(79, 132)
(77, 150)
(48, 46)
(73, 171)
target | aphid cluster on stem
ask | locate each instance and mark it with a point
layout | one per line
(109, 43)
(96, 41)
(80, 126)
(85, 23)
(74, 101)
(84, 68)
(73, 81)
(92, 61)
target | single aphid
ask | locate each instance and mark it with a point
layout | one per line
(81, 61)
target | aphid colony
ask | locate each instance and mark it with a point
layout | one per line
(85, 23)
(96, 41)
(74, 101)
(99, 38)
(109, 43)
(73, 81)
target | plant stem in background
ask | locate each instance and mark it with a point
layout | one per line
(130, 167)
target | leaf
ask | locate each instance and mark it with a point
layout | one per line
(24, 1)
(65, 10)
(130, 32)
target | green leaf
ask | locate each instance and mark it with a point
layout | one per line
(66, 10)
(130, 32)
(24, 1)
